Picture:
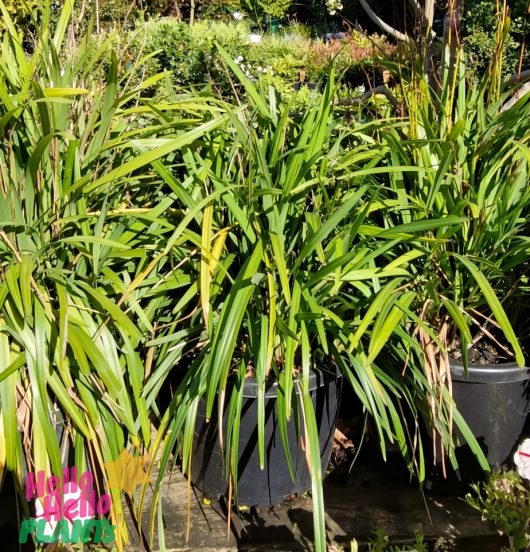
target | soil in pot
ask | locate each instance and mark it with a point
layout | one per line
(271, 485)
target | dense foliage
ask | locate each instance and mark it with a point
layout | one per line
(479, 28)
(172, 220)
(84, 214)
(191, 55)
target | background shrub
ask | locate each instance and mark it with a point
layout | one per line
(267, 8)
(191, 56)
(479, 24)
(175, 51)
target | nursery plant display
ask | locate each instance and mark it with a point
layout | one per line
(471, 149)
(83, 216)
(196, 259)
(293, 274)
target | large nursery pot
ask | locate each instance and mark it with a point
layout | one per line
(271, 485)
(493, 399)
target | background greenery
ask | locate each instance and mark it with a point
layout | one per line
(191, 56)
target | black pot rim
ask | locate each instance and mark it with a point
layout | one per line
(507, 372)
(317, 378)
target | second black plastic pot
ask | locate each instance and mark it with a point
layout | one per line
(494, 400)
(271, 485)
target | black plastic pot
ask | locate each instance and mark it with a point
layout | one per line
(271, 485)
(494, 401)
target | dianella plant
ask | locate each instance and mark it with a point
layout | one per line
(85, 228)
(470, 145)
(294, 269)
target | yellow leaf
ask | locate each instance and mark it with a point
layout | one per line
(217, 250)
(205, 262)
(126, 472)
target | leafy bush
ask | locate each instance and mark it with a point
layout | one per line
(191, 56)
(348, 55)
(480, 24)
(175, 50)
(20, 11)
(504, 499)
(218, 9)
(262, 9)
(23, 14)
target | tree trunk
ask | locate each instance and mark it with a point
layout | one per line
(175, 11)
(431, 50)
(429, 11)
(381, 24)
(451, 40)
(192, 12)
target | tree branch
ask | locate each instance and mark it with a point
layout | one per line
(429, 11)
(381, 90)
(525, 89)
(381, 24)
(518, 77)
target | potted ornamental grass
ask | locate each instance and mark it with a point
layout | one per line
(84, 217)
(292, 287)
(471, 149)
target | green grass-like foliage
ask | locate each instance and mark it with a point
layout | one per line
(147, 242)
(472, 161)
(85, 238)
(294, 270)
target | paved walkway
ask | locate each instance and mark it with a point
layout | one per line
(372, 498)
